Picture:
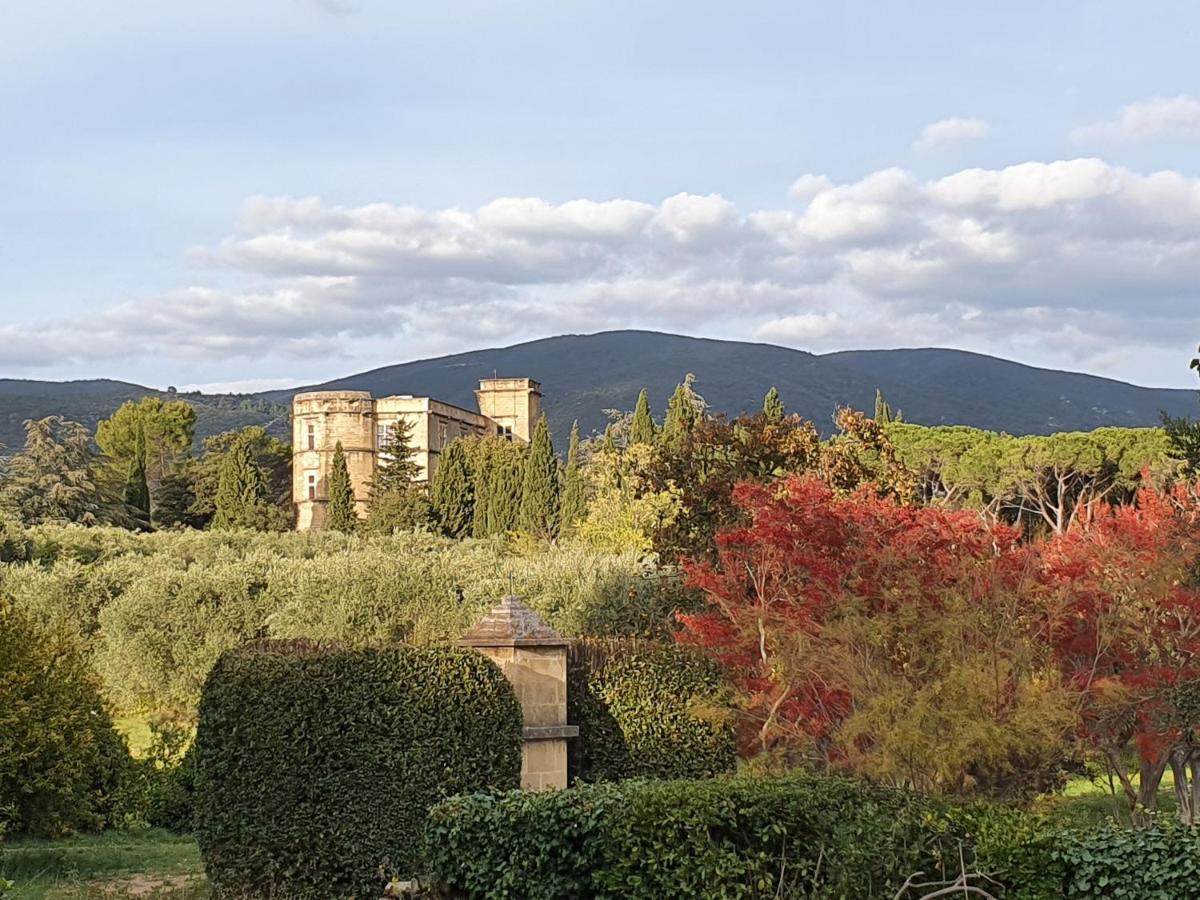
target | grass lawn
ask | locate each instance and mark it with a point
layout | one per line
(1087, 801)
(110, 865)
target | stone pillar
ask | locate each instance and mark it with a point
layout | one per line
(533, 657)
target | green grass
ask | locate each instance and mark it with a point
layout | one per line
(111, 865)
(1089, 801)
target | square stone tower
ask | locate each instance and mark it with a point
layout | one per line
(514, 404)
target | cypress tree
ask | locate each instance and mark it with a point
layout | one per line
(883, 410)
(241, 490)
(683, 411)
(539, 491)
(504, 498)
(609, 444)
(642, 430)
(137, 487)
(453, 493)
(340, 514)
(574, 503)
(773, 406)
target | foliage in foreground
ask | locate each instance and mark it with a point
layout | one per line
(645, 710)
(61, 763)
(157, 610)
(315, 768)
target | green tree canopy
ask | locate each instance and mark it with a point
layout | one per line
(684, 410)
(773, 405)
(574, 489)
(241, 499)
(453, 493)
(340, 513)
(55, 478)
(539, 491)
(151, 436)
(642, 430)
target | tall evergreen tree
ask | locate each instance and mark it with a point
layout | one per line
(609, 444)
(137, 488)
(574, 501)
(539, 491)
(396, 467)
(684, 410)
(54, 479)
(504, 491)
(340, 514)
(241, 498)
(883, 410)
(773, 406)
(453, 494)
(642, 429)
(150, 436)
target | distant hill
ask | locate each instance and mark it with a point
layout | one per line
(582, 375)
(93, 400)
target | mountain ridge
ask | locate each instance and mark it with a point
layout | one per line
(584, 374)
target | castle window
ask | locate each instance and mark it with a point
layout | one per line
(443, 433)
(383, 434)
(312, 437)
(312, 485)
(508, 432)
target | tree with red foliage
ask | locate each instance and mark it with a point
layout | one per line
(892, 639)
(1123, 616)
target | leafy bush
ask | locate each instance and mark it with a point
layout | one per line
(315, 767)
(157, 610)
(647, 710)
(799, 836)
(61, 761)
(1158, 863)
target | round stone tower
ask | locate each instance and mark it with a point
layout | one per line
(320, 419)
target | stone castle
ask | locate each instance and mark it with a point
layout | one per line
(508, 407)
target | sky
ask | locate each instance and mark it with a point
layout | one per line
(261, 193)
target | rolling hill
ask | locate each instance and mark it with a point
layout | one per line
(583, 375)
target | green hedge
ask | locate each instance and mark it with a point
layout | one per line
(315, 767)
(647, 710)
(797, 836)
(1159, 863)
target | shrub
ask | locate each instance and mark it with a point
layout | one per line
(1157, 863)
(798, 836)
(61, 761)
(315, 767)
(647, 710)
(157, 610)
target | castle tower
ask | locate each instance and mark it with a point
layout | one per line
(320, 419)
(514, 404)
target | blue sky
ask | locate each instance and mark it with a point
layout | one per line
(275, 191)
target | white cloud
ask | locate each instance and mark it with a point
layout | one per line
(1058, 261)
(1146, 120)
(954, 130)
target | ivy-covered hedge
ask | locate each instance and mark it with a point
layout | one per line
(797, 836)
(1158, 863)
(315, 767)
(647, 710)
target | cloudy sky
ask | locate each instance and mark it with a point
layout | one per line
(264, 192)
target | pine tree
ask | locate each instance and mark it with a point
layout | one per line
(574, 501)
(340, 514)
(241, 496)
(773, 406)
(684, 410)
(396, 468)
(642, 429)
(539, 491)
(453, 493)
(504, 487)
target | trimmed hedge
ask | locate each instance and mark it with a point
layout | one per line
(1158, 863)
(647, 710)
(796, 836)
(315, 767)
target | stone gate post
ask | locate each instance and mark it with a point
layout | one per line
(533, 656)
